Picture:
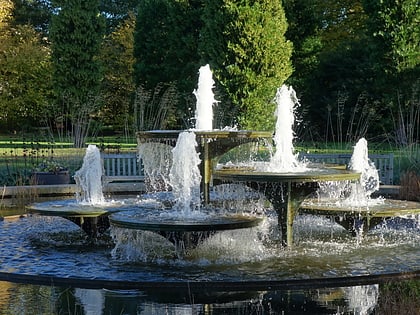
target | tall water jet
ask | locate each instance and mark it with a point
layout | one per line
(205, 99)
(284, 158)
(89, 178)
(184, 176)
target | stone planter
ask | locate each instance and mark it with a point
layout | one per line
(51, 178)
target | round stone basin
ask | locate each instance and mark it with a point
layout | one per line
(310, 175)
(72, 208)
(385, 208)
(163, 220)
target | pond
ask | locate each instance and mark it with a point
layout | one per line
(49, 266)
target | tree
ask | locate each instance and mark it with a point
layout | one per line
(116, 12)
(76, 35)
(244, 43)
(333, 65)
(117, 88)
(33, 12)
(394, 35)
(166, 39)
(25, 73)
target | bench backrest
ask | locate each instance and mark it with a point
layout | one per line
(121, 164)
(384, 163)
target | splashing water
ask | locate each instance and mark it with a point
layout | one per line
(360, 162)
(284, 158)
(359, 193)
(89, 178)
(184, 175)
(205, 100)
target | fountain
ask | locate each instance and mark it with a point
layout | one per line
(230, 249)
(352, 205)
(89, 210)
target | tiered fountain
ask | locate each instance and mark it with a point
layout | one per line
(284, 180)
(233, 248)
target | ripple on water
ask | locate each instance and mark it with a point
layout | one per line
(55, 246)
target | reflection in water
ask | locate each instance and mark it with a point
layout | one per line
(369, 299)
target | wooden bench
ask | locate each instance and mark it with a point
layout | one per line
(122, 167)
(384, 163)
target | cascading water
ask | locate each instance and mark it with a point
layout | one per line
(89, 178)
(205, 99)
(157, 161)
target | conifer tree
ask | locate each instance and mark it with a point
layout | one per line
(76, 33)
(244, 43)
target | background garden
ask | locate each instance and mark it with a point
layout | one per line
(74, 72)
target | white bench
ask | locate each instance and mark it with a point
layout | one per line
(122, 167)
(384, 163)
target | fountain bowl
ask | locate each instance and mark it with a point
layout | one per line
(177, 221)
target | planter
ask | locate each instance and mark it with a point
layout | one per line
(51, 178)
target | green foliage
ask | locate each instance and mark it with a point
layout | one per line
(117, 87)
(335, 73)
(76, 35)
(33, 12)
(25, 77)
(244, 43)
(394, 37)
(394, 25)
(116, 12)
(165, 49)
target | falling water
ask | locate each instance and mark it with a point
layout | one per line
(185, 175)
(89, 178)
(205, 99)
(284, 158)
(157, 161)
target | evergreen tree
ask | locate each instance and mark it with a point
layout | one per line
(244, 43)
(165, 49)
(76, 33)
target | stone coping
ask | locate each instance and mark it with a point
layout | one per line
(68, 189)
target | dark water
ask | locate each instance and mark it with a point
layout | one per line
(391, 298)
(308, 279)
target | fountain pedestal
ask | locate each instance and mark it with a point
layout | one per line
(359, 219)
(285, 191)
(93, 220)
